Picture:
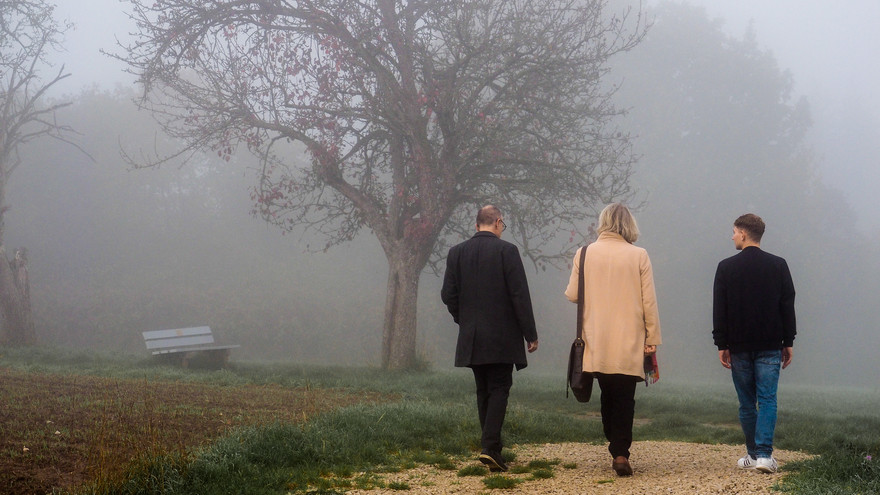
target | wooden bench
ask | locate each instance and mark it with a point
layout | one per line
(185, 346)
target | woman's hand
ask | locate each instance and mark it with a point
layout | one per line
(650, 349)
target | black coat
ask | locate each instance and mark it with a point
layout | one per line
(753, 306)
(486, 291)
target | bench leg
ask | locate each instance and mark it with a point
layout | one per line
(219, 358)
(184, 361)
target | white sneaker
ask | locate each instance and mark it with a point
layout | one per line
(746, 462)
(766, 465)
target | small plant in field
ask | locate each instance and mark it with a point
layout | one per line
(520, 469)
(570, 465)
(439, 460)
(446, 464)
(323, 484)
(342, 483)
(542, 474)
(398, 485)
(368, 481)
(344, 472)
(472, 470)
(498, 482)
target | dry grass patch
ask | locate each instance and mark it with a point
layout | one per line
(60, 431)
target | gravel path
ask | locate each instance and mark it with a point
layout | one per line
(660, 468)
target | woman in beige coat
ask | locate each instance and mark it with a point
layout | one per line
(621, 322)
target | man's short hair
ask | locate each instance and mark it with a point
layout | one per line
(488, 215)
(617, 218)
(752, 225)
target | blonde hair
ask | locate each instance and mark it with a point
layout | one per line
(617, 218)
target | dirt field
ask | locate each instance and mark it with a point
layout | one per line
(59, 431)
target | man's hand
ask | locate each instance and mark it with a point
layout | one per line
(787, 354)
(724, 356)
(650, 349)
(533, 346)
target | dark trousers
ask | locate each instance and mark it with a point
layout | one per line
(493, 388)
(618, 408)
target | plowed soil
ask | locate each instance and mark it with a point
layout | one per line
(61, 431)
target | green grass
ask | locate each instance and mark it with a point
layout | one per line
(842, 472)
(398, 485)
(500, 482)
(434, 423)
(540, 474)
(472, 470)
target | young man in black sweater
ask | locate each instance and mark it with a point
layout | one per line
(754, 330)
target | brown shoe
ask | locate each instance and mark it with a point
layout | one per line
(621, 466)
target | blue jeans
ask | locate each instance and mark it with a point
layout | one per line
(756, 378)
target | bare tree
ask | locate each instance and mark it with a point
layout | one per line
(28, 32)
(412, 114)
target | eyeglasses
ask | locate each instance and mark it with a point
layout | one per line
(503, 225)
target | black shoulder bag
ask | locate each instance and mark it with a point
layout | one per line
(580, 381)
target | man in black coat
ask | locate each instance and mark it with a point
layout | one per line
(754, 329)
(486, 291)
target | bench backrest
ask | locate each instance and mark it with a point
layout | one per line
(179, 337)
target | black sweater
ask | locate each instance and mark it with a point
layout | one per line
(753, 306)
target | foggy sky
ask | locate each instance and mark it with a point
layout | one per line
(831, 50)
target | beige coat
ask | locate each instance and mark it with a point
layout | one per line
(620, 307)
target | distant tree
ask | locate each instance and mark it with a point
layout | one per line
(412, 113)
(28, 32)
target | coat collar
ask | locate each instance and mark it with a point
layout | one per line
(484, 233)
(611, 236)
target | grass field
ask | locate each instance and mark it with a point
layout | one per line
(85, 423)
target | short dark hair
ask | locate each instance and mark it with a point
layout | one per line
(752, 224)
(488, 215)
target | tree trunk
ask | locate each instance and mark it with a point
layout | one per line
(15, 301)
(399, 336)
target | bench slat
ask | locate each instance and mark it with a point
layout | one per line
(199, 349)
(180, 341)
(176, 332)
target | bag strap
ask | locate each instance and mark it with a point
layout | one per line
(580, 312)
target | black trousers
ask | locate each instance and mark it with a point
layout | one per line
(493, 389)
(618, 407)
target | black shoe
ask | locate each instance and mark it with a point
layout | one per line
(494, 461)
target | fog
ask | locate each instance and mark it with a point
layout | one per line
(115, 251)
(829, 52)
